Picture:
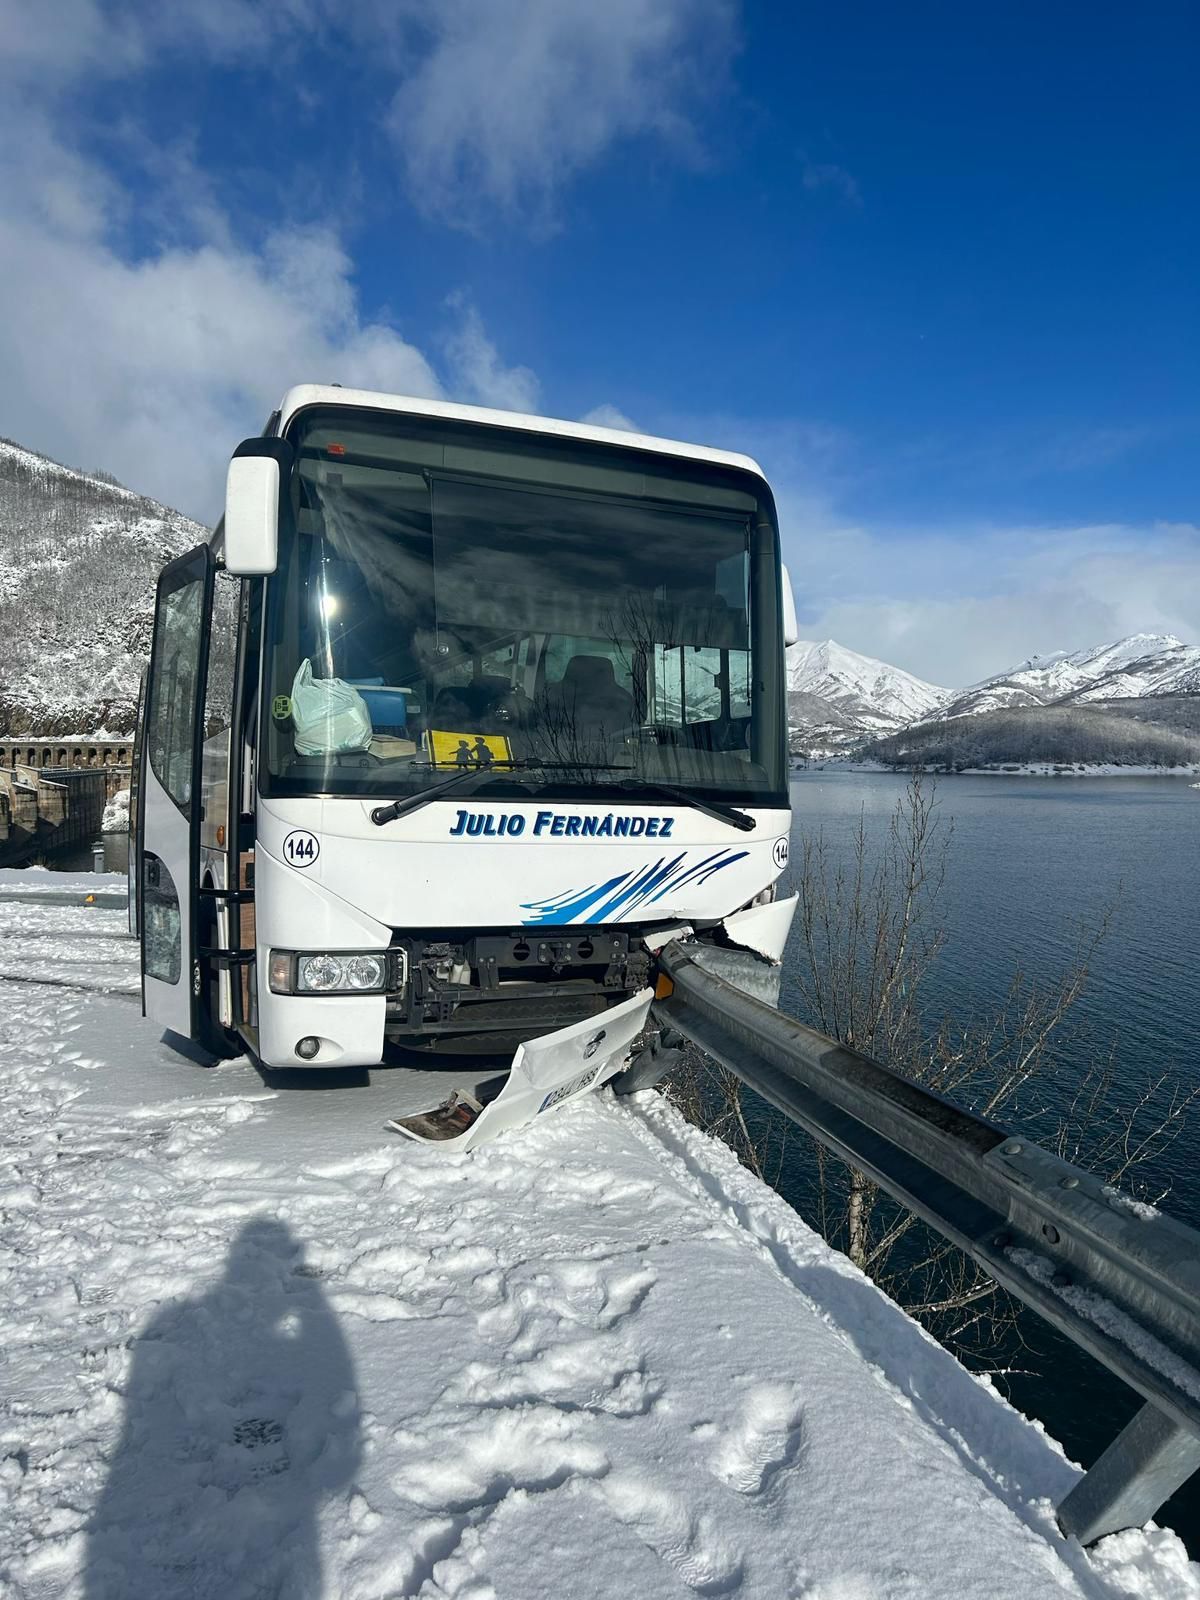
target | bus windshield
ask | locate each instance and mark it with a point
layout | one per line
(550, 615)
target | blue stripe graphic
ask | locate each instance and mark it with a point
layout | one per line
(601, 902)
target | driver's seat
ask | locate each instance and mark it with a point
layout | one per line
(589, 695)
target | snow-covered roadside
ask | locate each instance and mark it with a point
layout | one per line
(252, 1346)
(38, 880)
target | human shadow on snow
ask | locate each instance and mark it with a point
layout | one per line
(241, 1418)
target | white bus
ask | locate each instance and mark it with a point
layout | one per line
(456, 720)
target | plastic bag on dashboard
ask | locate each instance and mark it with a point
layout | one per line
(328, 715)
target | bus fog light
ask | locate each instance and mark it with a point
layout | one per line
(319, 974)
(365, 972)
(307, 1048)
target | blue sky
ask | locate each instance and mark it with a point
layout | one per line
(935, 266)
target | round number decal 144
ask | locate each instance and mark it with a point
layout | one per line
(301, 848)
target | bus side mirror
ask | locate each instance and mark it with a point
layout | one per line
(791, 628)
(259, 469)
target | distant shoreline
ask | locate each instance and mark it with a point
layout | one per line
(1028, 769)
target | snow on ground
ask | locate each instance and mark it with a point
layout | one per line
(116, 813)
(68, 947)
(255, 1346)
(30, 881)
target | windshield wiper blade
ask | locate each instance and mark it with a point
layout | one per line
(422, 797)
(711, 808)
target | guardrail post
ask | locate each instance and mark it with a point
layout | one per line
(1144, 1465)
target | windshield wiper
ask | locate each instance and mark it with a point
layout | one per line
(414, 802)
(711, 808)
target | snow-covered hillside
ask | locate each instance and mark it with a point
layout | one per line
(79, 556)
(837, 697)
(1142, 664)
(255, 1345)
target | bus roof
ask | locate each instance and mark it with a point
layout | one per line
(323, 394)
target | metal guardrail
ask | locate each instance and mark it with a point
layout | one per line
(1119, 1280)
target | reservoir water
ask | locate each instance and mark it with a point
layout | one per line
(1031, 861)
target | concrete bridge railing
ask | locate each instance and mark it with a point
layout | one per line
(114, 757)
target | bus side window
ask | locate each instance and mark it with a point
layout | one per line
(218, 706)
(500, 662)
(739, 684)
(177, 625)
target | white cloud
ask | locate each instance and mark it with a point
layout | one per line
(956, 605)
(114, 37)
(608, 416)
(153, 367)
(513, 99)
(491, 106)
(960, 601)
(477, 372)
(57, 40)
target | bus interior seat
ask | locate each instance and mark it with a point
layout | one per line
(589, 694)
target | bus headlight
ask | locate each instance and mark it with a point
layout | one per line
(365, 972)
(319, 974)
(334, 971)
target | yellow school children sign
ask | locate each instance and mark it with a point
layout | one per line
(468, 749)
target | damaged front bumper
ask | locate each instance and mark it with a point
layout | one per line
(557, 1068)
(546, 1073)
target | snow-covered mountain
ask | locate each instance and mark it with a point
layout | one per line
(837, 697)
(1142, 664)
(79, 556)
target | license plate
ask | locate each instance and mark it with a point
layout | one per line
(566, 1090)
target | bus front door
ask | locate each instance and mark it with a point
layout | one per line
(168, 836)
(132, 856)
